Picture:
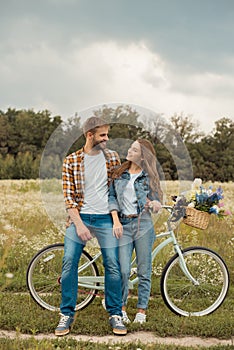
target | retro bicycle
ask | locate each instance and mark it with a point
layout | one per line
(194, 282)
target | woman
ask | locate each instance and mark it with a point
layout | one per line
(135, 189)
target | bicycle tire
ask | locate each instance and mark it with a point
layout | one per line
(44, 278)
(187, 299)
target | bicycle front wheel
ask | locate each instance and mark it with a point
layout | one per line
(44, 278)
(186, 298)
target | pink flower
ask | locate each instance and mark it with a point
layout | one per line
(227, 212)
(220, 205)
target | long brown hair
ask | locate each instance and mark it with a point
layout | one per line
(148, 164)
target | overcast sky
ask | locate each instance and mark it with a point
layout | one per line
(169, 56)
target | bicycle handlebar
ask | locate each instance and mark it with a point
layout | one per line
(168, 207)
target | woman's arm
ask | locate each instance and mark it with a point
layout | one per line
(152, 202)
(117, 226)
(114, 209)
(112, 198)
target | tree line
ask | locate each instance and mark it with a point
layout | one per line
(34, 144)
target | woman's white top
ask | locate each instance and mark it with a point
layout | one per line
(129, 197)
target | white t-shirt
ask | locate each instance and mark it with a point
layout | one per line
(96, 188)
(129, 197)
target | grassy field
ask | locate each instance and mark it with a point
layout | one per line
(32, 216)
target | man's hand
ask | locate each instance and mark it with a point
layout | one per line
(83, 232)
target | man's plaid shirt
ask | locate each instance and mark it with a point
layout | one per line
(74, 178)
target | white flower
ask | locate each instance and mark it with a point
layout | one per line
(196, 183)
(191, 205)
(214, 209)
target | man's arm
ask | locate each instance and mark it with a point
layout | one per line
(71, 205)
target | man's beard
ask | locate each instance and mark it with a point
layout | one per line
(99, 145)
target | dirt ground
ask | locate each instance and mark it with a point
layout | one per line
(144, 337)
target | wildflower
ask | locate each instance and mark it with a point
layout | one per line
(196, 183)
(214, 209)
(227, 212)
(220, 205)
(191, 205)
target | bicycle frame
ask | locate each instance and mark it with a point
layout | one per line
(98, 281)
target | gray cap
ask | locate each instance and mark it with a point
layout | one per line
(92, 123)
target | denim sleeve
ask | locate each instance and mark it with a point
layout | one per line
(112, 198)
(153, 196)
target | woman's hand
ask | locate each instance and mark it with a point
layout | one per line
(154, 206)
(117, 229)
(117, 226)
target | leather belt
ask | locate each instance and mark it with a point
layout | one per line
(129, 216)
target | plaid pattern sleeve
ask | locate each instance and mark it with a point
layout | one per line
(112, 162)
(73, 180)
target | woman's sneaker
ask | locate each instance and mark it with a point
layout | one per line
(64, 325)
(117, 325)
(125, 318)
(140, 318)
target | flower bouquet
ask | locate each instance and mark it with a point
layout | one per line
(199, 203)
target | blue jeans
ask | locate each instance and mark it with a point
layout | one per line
(138, 235)
(101, 227)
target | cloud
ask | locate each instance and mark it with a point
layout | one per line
(135, 74)
(206, 84)
(41, 76)
(98, 72)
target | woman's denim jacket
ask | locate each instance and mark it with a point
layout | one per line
(142, 191)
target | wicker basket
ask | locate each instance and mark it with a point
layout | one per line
(196, 218)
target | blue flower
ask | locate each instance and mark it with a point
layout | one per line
(214, 210)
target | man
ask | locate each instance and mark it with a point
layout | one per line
(86, 176)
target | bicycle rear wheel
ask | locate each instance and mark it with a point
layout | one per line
(187, 299)
(44, 278)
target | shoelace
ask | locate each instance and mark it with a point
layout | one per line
(140, 317)
(63, 320)
(125, 316)
(118, 320)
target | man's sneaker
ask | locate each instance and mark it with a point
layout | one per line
(125, 318)
(64, 325)
(117, 325)
(140, 318)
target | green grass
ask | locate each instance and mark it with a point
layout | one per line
(68, 344)
(20, 312)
